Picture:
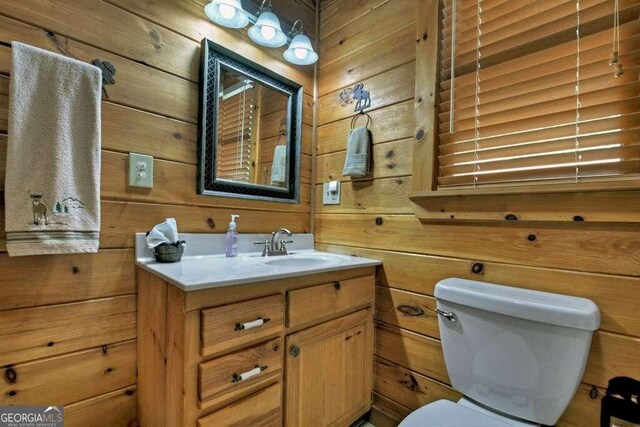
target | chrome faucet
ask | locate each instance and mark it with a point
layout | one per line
(274, 247)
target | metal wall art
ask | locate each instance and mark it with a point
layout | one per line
(108, 73)
(357, 93)
(362, 97)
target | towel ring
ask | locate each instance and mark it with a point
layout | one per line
(355, 118)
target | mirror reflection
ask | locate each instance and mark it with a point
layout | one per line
(251, 144)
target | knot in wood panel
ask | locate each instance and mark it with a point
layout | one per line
(10, 375)
(477, 267)
(155, 38)
(409, 310)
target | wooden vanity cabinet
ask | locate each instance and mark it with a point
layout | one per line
(290, 352)
(329, 371)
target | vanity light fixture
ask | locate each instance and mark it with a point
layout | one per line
(267, 31)
(300, 51)
(228, 13)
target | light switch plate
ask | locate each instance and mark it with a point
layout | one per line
(140, 170)
(328, 197)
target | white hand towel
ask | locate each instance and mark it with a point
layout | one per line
(52, 186)
(279, 166)
(165, 232)
(357, 160)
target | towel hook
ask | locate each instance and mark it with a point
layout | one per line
(355, 118)
(108, 73)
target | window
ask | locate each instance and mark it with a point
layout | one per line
(533, 99)
(235, 132)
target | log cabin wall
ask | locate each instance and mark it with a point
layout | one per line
(68, 322)
(375, 42)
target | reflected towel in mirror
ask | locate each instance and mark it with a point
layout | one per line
(279, 166)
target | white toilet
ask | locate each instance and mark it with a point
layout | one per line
(516, 355)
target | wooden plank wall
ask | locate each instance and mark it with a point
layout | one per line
(374, 42)
(68, 323)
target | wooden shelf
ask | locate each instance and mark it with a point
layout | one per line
(590, 202)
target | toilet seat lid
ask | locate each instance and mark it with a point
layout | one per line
(444, 413)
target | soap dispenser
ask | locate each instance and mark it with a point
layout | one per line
(231, 243)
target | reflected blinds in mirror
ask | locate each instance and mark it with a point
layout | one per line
(534, 98)
(235, 129)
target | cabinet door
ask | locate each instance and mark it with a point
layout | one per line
(329, 372)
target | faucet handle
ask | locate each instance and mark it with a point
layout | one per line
(265, 244)
(283, 247)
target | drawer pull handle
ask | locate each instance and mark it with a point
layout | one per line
(236, 378)
(254, 324)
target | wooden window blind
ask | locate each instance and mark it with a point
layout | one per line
(235, 130)
(534, 99)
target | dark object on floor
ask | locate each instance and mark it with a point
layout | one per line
(621, 401)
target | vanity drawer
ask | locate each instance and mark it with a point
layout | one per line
(261, 409)
(318, 302)
(231, 325)
(224, 374)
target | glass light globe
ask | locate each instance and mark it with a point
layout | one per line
(267, 32)
(300, 51)
(228, 13)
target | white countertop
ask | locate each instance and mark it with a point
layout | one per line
(204, 266)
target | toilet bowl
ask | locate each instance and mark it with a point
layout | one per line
(464, 413)
(516, 355)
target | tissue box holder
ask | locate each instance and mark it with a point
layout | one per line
(169, 252)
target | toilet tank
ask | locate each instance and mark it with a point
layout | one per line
(516, 351)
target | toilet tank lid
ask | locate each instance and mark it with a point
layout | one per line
(545, 307)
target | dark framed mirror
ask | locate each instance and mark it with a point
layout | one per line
(249, 129)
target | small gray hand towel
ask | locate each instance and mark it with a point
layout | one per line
(358, 146)
(279, 166)
(52, 185)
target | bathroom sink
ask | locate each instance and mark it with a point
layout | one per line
(304, 261)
